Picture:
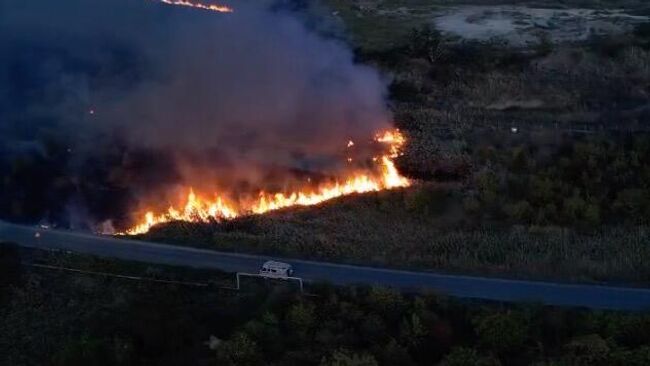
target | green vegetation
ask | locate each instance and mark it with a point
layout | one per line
(584, 184)
(563, 195)
(427, 228)
(62, 318)
(378, 30)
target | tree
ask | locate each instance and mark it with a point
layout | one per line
(300, 319)
(520, 211)
(412, 330)
(345, 358)
(425, 42)
(633, 331)
(471, 205)
(501, 332)
(625, 357)
(240, 350)
(519, 161)
(395, 354)
(546, 214)
(389, 303)
(541, 190)
(631, 202)
(488, 185)
(373, 329)
(266, 332)
(574, 208)
(462, 356)
(589, 350)
(592, 214)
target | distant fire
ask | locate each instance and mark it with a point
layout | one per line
(199, 208)
(198, 5)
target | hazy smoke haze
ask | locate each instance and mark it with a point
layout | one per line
(170, 95)
(254, 82)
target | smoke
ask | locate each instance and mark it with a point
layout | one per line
(251, 82)
(231, 92)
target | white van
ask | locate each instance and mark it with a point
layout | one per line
(276, 269)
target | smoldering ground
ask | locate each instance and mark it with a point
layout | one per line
(109, 99)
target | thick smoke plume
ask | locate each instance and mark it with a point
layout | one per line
(131, 78)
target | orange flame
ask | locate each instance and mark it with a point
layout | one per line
(199, 209)
(197, 5)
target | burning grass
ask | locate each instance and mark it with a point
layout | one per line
(198, 208)
(198, 5)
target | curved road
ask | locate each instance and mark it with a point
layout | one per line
(591, 296)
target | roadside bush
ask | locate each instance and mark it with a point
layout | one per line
(343, 358)
(501, 332)
(462, 356)
(589, 350)
(240, 350)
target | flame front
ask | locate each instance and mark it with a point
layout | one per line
(197, 5)
(201, 209)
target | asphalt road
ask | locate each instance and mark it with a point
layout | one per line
(591, 296)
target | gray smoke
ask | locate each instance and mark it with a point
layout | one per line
(106, 103)
(254, 85)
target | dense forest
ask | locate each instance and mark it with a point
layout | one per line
(51, 317)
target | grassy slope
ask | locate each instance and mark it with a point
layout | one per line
(414, 229)
(447, 109)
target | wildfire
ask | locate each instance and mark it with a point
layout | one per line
(201, 209)
(197, 5)
(394, 139)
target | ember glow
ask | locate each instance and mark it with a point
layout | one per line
(202, 208)
(197, 5)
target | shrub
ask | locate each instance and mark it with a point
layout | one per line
(428, 201)
(588, 350)
(501, 332)
(426, 43)
(344, 358)
(462, 356)
(240, 350)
